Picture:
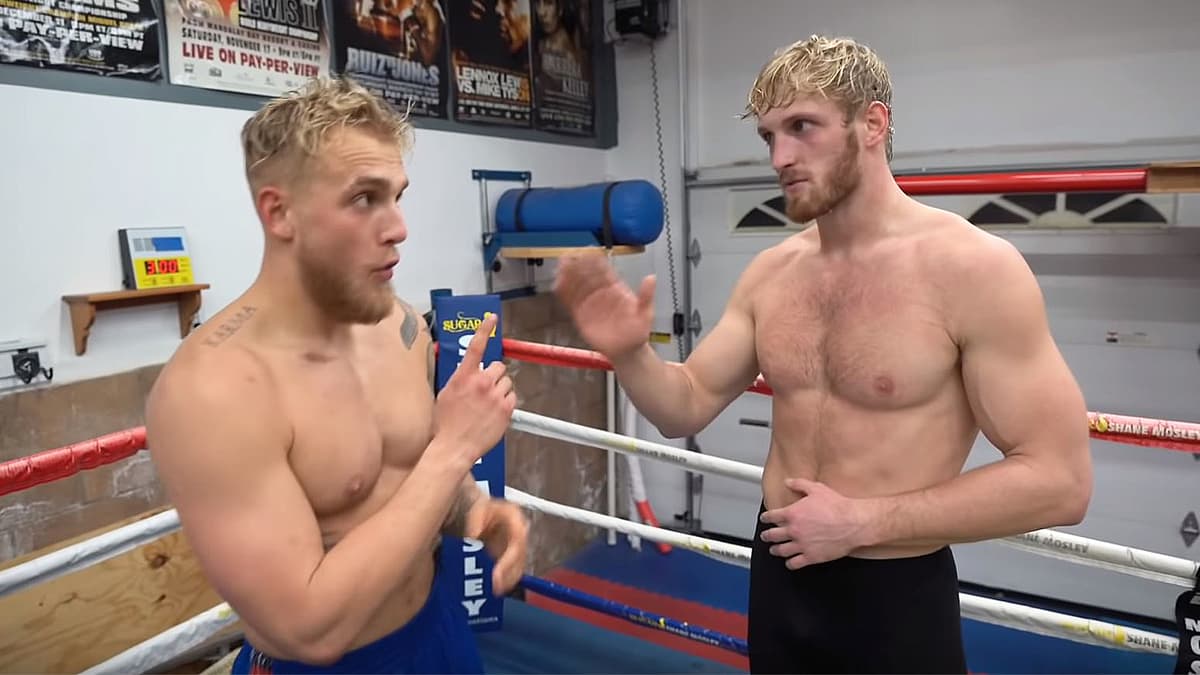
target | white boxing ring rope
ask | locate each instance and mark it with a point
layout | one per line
(624, 526)
(1031, 619)
(178, 639)
(549, 427)
(1048, 543)
(87, 552)
(193, 632)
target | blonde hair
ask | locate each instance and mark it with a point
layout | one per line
(837, 68)
(291, 129)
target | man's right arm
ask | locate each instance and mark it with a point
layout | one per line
(682, 399)
(220, 448)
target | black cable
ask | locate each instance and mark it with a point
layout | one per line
(662, 177)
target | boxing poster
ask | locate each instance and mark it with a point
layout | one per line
(467, 564)
(562, 66)
(266, 47)
(489, 47)
(113, 38)
(397, 49)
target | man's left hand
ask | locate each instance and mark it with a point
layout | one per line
(820, 526)
(502, 528)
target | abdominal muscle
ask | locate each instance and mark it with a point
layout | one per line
(863, 453)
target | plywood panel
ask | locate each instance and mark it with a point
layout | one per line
(76, 621)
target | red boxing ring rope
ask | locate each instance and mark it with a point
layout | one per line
(51, 465)
(1104, 180)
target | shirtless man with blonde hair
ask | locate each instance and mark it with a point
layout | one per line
(297, 432)
(892, 334)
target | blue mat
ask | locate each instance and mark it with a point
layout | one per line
(535, 640)
(681, 574)
(997, 650)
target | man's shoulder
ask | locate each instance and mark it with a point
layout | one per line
(953, 245)
(211, 382)
(791, 249)
(982, 276)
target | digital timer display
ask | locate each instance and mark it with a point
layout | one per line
(155, 257)
(166, 266)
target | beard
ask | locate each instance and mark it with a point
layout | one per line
(822, 199)
(335, 294)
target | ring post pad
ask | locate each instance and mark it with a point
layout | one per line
(1187, 619)
(465, 563)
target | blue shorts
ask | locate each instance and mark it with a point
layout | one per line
(436, 640)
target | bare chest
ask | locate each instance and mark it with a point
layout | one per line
(358, 433)
(877, 340)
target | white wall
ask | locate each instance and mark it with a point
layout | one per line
(968, 77)
(990, 83)
(87, 165)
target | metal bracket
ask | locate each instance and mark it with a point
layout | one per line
(694, 325)
(1190, 529)
(492, 243)
(695, 490)
(490, 174)
(694, 253)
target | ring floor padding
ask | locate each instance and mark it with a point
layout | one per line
(688, 586)
(536, 640)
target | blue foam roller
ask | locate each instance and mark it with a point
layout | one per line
(635, 209)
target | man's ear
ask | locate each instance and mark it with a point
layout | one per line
(271, 202)
(878, 121)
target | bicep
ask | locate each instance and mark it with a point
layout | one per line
(1020, 388)
(725, 363)
(241, 507)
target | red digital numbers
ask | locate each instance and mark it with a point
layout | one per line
(154, 267)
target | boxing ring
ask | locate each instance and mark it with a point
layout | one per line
(63, 462)
(606, 632)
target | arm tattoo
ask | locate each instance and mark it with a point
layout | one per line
(431, 364)
(409, 328)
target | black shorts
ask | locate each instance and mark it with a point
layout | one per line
(854, 615)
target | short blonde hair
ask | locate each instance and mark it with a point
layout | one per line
(291, 129)
(837, 68)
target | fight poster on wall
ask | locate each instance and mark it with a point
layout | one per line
(489, 45)
(265, 47)
(562, 66)
(114, 38)
(397, 49)
(465, 563)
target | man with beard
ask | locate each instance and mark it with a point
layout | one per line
(297, 433)
(892, 333)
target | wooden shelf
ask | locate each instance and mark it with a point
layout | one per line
(1173, 177)
(84, 306)
(560, 251)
